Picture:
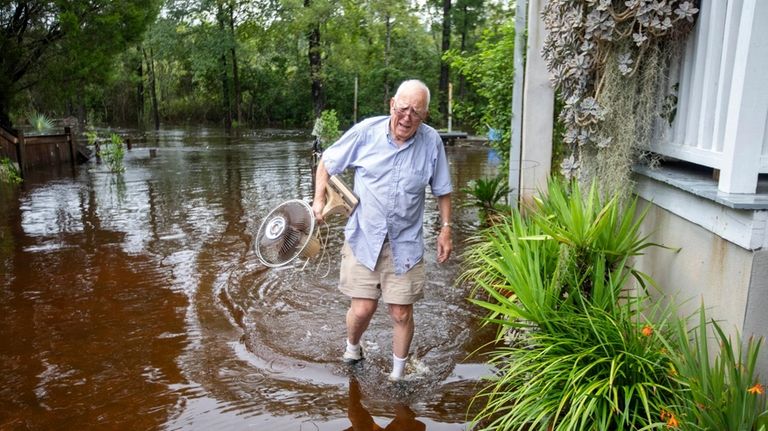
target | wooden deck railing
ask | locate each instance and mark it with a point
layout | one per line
(722, 108)
(38, 151)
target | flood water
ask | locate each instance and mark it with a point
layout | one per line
(135, 301)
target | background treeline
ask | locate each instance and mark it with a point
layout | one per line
(276, 63)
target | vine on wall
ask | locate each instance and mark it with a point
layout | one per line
(608, 59)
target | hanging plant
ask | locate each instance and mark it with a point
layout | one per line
(606, 58)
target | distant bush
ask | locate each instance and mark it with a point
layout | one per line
(8, 172)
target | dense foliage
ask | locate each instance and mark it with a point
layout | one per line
(235, 62)
(490, 72)
(62, 49)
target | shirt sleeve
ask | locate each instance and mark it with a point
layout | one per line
(342, 153)
(440, 183)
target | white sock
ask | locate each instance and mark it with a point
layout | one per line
(398, 365)
(353, 348)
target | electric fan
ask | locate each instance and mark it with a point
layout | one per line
(289, 230)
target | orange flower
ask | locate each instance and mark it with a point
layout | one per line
(672, 371)
(758, 389)
(672, 421)
(669, 418)
(647, 330)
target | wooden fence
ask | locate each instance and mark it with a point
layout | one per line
(38, 151)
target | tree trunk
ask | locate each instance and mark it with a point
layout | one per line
(140, 92)
(152, 86)
(82, 115)
(315, 64)
(5, 105)
(444, 78)
(226, 104)
(225, 97)
(387, 47)
(463, 47)
(235, 74)
(5, 119)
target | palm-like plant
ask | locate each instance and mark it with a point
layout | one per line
(487, 195)
(40, 122)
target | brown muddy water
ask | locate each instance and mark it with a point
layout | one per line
(135, 301)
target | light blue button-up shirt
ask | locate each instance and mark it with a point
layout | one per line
(391, 184)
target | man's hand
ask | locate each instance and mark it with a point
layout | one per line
(444, 244)
(317, 208)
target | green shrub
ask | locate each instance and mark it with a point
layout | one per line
(572, 351)
(326, 128)
(113, 152)
(585, 368)
(8, 172)
(578, 347)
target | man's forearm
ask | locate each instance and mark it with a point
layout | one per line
(444, 206)
(321, 182)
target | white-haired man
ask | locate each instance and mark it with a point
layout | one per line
(394, 158)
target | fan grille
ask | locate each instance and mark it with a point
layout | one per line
(285, 232)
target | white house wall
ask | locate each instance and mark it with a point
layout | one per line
(706, 268)
(722, 239)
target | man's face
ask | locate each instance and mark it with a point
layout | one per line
(408, 110)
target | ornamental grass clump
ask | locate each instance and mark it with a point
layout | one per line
(576, 348)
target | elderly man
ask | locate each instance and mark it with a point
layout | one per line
(394, 158)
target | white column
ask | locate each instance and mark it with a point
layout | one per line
(748, 103)
(538, 110)
(516, 127)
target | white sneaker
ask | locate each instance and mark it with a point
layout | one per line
(353, 357)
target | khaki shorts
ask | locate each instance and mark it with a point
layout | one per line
(357, 281)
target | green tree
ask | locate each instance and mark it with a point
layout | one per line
(490, 72)
(62, 45)
(468, 16)
(381, 43)
(267, 50)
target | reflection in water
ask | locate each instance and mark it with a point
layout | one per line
(135, 300)
(405, 419)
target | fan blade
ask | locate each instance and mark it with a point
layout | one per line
(298, 217)
(292, 244)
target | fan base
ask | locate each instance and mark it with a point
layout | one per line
(312, 248)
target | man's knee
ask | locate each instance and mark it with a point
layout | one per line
(401, 314)
(362, 309)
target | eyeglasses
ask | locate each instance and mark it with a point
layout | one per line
(409, 110)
